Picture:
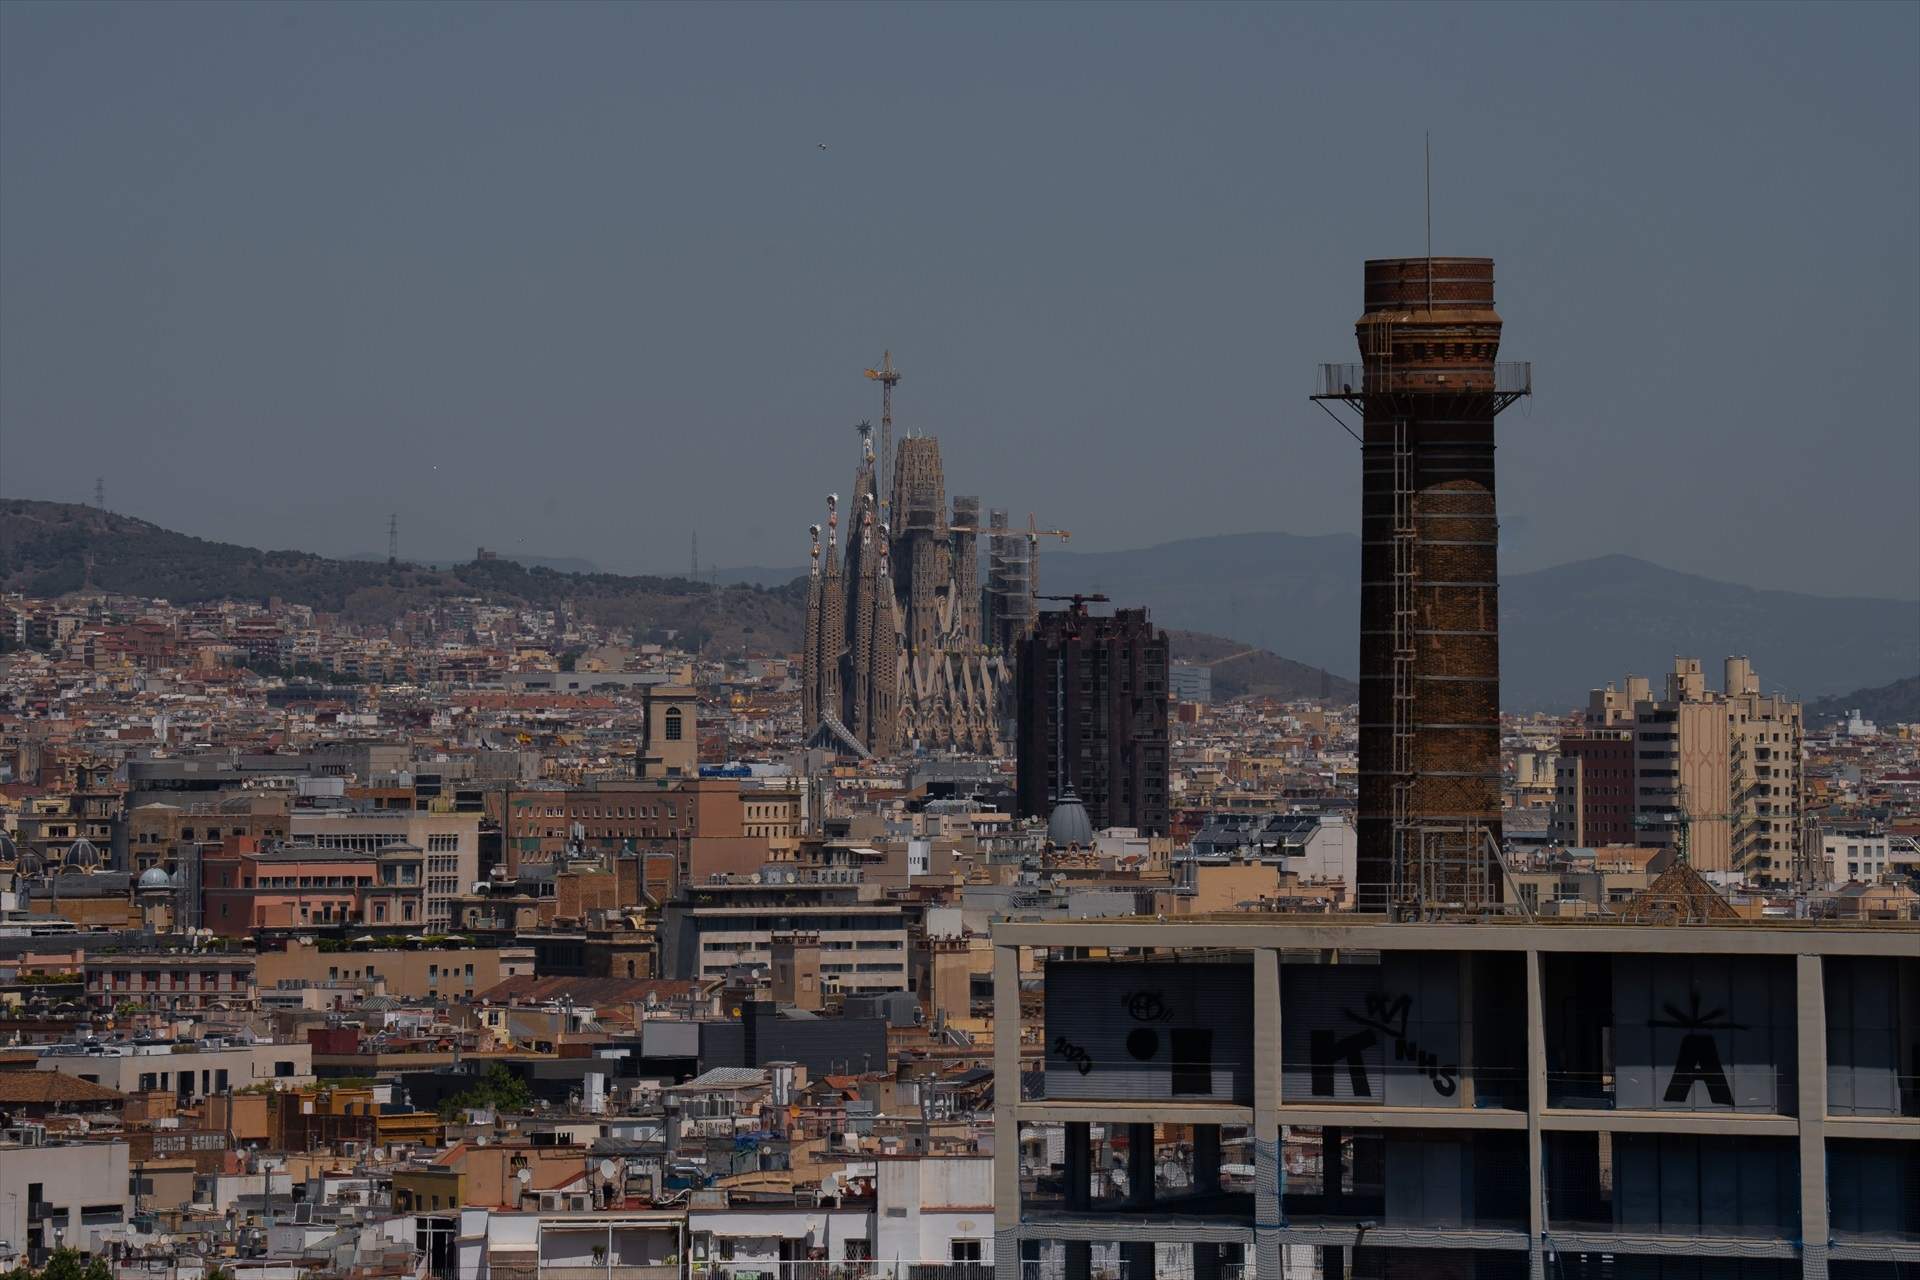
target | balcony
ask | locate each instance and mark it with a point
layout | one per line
(852, 1269)
(1505, 381)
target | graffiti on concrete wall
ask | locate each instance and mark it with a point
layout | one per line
(1697, 1060)
(1383, 1020)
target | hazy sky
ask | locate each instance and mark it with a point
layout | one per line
(578, 280)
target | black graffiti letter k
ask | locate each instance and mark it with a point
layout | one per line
(1326, 1052)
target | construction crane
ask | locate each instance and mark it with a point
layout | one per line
(886, 375)
(1078, 601)
(1034, 534)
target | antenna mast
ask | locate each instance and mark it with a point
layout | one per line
(100, 492)
(393, 538)
(1429, 220)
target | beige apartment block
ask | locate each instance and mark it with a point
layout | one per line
(408, 974)
(1721, 769)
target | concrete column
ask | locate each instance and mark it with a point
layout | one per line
(1536, 1101)
(1140, 1165)
(1268, 1169)
(1078, 1172)
(1206, 1159)
(1811, 1037)
(1468, 1062)
(1333, 1167)
(1006, 1102)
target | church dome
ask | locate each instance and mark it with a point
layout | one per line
(1069, 824)
(155, 878)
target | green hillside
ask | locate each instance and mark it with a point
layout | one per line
(53, 548)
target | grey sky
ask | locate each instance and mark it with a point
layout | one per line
(265, 267)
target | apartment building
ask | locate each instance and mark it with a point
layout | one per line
(1856, 855)
(450, 843)
(59, 1194)
(1721, 771)
(862, 940)
(1593, 790)
(160, 833)
(246, 888)
(185, 1069)
(1462, 1100)
(1092, 707)
(169, 981)
(423, 974)
(1718, 771)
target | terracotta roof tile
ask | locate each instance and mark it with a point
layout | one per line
(21, 1088)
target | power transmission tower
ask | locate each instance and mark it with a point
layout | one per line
(393, 539)
(100, 492)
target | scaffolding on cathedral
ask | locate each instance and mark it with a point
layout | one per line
(894, 653)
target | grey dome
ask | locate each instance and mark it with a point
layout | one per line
(83, 854)
(1069, 823)
(155, 878)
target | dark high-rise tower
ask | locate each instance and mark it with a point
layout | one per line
(1428, 389)
(1093, 718)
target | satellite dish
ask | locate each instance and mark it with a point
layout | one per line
(606, 1170)
(525, 1176)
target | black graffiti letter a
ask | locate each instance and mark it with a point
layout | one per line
(1699, 1060)
(1327, 1052)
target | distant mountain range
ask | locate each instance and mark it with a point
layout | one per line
(1896, 703)
(51, 548)
(1564, 630)
(559, 564)
(1239, 670)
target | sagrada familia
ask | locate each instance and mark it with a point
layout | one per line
(896, 655)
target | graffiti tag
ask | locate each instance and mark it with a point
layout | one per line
(1384, 1016)
(1698, 1060)
(1146, 1006)
(1074, 1054)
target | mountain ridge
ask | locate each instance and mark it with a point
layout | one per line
(52, 549)
(1565, 629)
(1895, 703)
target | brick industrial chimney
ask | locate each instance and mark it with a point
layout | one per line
(1428, 389)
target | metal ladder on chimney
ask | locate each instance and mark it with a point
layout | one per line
(1410, 873)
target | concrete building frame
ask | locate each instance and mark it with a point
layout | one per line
(1809, 1124)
